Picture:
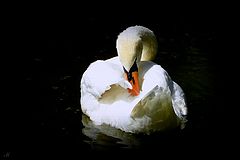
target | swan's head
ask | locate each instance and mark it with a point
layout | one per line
(133, 45)
(129, 52)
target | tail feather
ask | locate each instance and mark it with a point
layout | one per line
(156, 105)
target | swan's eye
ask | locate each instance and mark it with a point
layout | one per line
(129, 74)
(134, 68)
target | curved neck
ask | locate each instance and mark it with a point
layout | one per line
(149, 49)
(136, 42)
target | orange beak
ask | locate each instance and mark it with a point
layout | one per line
(134, 82)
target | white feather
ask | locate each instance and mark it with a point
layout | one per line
(105, 98)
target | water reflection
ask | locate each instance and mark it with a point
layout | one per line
(107, 136)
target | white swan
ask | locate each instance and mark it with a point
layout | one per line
(129, 91)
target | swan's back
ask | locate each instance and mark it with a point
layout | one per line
(164, 100)
(160, 105)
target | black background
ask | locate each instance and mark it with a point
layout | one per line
(44, 44)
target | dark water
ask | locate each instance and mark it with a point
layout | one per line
(49, 119)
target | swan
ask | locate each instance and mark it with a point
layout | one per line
(129, 91)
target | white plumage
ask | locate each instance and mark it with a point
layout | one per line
(160, 104)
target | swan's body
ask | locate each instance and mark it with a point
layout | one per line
(160, 103)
